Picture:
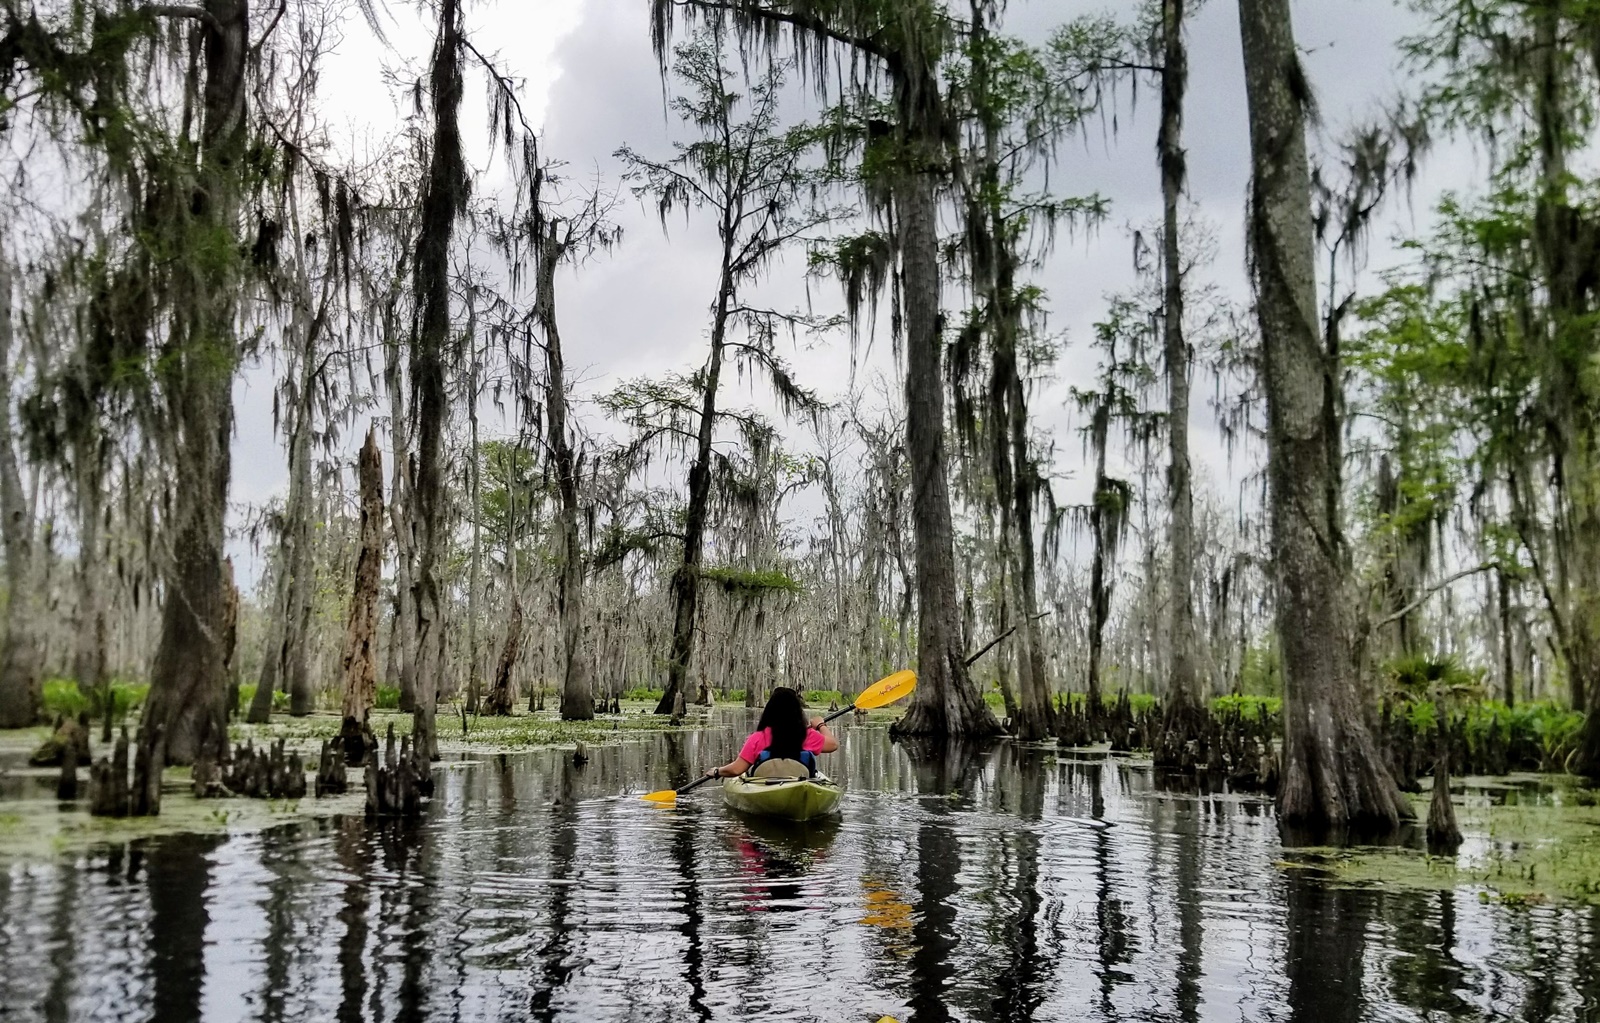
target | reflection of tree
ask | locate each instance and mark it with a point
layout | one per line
(63, 950)
(1191, 926)
(1427, 978)
(941, 769)
(1327, 945)
(280, 854)
(178, 873)
(406, 851)
(1021, 983)
(683, 857)
(563, 852)
(1114, 945)
(355, 857)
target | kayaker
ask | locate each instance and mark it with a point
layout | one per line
(784, 742)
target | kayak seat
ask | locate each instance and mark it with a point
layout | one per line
(774, 768)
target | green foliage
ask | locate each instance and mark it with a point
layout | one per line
(62, 697)
(1247, 706)
(1262, 671)
(388, 698)
(1423, 676)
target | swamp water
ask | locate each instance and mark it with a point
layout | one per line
(1015, 884)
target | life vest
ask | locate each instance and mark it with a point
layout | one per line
(808, 758)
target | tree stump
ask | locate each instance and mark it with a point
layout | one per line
(206, 779)
(331, 779)
(359, 744)
(580, 755)
(149, 760)
(67, 784)
(1444, 836)
(69, 732)
(108, 782)
(396, 789)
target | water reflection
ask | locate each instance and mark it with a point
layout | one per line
(992, 885)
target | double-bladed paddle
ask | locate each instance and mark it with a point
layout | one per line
(880, 694)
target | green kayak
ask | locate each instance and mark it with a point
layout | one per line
(795, 799)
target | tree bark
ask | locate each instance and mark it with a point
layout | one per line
(577, 687)
(1183, 691)
(445, 197)
(404, 654)
(503, 692)
(946, 703)
(272, 658)
(188, 687)
(89, 646)
(22, 656)
(1099, 584)
(1334, 776)
(360, 662)
(298, 561)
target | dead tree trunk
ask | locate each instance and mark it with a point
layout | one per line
(360, 661)
(188, 686)
(1333, 773)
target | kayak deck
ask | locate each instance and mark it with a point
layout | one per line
(795, 799)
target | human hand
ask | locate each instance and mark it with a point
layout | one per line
(714, 772)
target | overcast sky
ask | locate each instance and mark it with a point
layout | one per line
(591, 81)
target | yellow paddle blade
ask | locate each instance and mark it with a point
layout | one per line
(664, 796)
(886, 691)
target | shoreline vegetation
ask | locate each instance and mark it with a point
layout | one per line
(1530, 836)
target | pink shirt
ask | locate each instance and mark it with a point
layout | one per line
(759, 741)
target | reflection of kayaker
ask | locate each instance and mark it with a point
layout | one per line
(777, 881)
(784, 744)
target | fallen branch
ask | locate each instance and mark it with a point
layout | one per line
(1487, 566)
(1000, 639)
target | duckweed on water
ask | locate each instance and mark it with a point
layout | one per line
(1520, 847)
(520, 733)
(38, 827)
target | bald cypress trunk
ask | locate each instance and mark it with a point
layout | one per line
(577, 686)
(444, 199)
(946, 702)
(22, 655)
(299, 562)
(1333, 774)
(1183, 705)
(360, 661)
(187, 705)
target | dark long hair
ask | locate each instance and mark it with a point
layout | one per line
(786, 716)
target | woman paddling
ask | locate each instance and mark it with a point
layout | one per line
(784, 743)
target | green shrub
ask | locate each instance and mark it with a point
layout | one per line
(1247, 706)
(388, 698)
(63, 698)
